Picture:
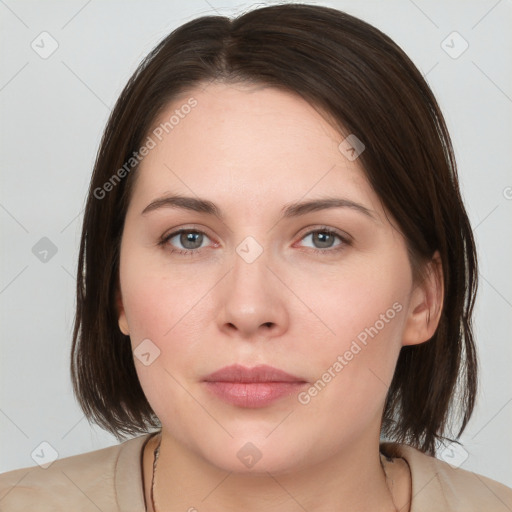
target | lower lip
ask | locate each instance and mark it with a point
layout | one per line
(253, 394)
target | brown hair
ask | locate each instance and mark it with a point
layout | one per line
(364, 82)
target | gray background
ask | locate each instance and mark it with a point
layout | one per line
(52, 115)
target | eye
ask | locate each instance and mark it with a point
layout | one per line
(185, 241)
(324, 240)
(191, 241)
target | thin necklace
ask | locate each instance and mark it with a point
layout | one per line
(387, 479)
(157, 453)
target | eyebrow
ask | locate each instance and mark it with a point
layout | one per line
(289, 210)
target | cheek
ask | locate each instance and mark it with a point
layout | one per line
(364, 310)
(349, 301)
(169, 313)
(154, 295)
(168, 308)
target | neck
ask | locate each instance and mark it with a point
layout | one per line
(352, 479)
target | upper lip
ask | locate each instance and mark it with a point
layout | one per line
(260, 373)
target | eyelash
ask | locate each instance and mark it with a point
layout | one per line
(345, 241)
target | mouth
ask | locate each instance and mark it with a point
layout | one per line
(252, 387)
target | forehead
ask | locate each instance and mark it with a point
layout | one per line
(228, 141)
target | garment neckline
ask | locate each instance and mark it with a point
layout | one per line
(129, 474)
(129, 480)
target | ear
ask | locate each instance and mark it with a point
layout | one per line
(425, 305)
(123, 324)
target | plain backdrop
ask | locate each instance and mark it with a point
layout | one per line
(53, 111)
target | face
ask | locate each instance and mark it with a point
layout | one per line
(323, 292)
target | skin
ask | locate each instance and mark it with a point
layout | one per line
(252, 150)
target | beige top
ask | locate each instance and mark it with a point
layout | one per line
(111, 480)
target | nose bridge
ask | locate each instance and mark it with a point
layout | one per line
(249, 276)
(251, 300)
(250, 259)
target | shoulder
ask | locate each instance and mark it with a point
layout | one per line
(436, 485)
(89, 481)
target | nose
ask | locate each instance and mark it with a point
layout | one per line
(252, 300)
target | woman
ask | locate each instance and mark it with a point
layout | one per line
(276, 282)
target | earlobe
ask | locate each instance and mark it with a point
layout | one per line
(426, 305)
(123, 324)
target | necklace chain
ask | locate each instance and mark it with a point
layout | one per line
(387, 481)
(157, 453)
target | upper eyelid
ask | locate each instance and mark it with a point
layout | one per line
(172, 233)
(321, 228)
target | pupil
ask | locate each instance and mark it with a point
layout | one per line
(325, 239)
(189, 240)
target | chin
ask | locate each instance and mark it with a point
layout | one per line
(258, 456)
